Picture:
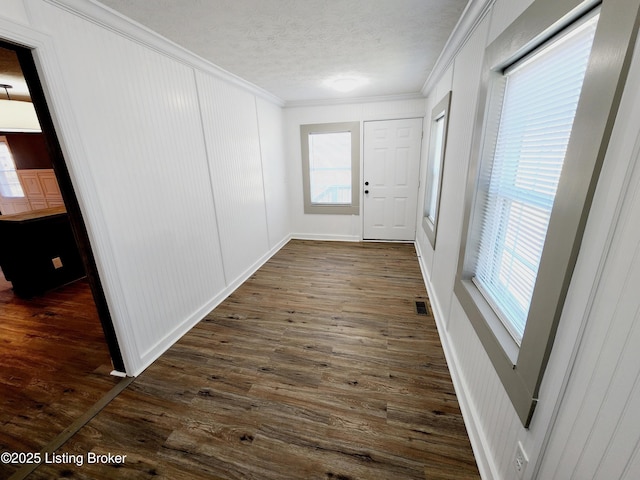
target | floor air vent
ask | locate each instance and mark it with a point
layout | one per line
(421, 308)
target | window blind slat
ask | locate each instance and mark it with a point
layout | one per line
(539, 105)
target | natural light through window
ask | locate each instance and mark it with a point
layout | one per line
(330, 168)
(540, 101)
(434, 174)
(9, 182)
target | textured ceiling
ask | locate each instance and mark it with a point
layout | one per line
(291, 47)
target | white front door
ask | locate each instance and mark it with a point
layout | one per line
(391, 170)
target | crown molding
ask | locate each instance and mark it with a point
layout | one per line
(353, 100)
(472, 15)
(101, 15)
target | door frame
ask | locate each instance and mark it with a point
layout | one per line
(30, 72)
(363, 167)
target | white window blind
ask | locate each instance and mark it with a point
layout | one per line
(517, 192)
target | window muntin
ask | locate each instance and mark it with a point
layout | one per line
(540, 100)
(331, 167)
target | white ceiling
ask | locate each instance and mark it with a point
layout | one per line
(291, 47)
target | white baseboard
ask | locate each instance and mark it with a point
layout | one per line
(153, 353)
(478, 440)
(325, 237)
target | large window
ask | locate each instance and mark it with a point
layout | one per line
(435, 166)
(540, 100)
(331, 161)
(546, 110)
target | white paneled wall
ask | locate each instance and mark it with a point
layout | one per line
(586, 424)
(597, 432)
(189, 180)
(174, 178)
(466, 79)
(333, 227)
(233, 145)
(276, 183)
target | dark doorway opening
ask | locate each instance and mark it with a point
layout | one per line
(30, 73)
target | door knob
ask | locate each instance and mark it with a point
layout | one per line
(366, 191)
(366, 183)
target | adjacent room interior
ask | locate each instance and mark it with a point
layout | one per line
(372, 239)
(53, 355)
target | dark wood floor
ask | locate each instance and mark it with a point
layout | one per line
(54, 364)
(317, 367)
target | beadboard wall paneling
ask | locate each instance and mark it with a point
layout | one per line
(466, 80)
(492, 423)
(598, 428)
(333, 227)
(230, 125)
(274, 170)
(597, 432)
(146, 153)
(589, 430)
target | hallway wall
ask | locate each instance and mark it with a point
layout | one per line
(590, 385)
(178, 167)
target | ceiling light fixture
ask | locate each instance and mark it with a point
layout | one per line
(17, 116)
(346, 83)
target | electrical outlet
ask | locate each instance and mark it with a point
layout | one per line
(57, 262)
(520, 461)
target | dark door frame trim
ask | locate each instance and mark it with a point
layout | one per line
(30, 72)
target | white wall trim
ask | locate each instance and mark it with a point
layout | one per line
(479, 442)
(472, 15)
(353, 100)
(160, 347)
(110, 19)
(325, 237)
(65, 125)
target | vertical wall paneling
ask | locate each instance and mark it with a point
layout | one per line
(274, 168)
(145, 149)
(598, 419)
(155, 143)
(233, 145)
(586, 423)
(178, 182)
(466, 80)
(596, 429)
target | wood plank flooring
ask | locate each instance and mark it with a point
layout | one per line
(54, 364)
(317, 367)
